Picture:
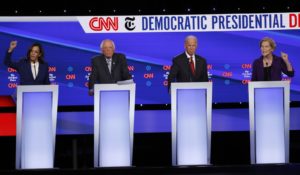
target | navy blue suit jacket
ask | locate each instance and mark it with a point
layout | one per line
(181, 72)
(23, 67)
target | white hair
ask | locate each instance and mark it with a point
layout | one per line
(190, 37)
(101, 45)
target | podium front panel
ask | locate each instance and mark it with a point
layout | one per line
(113, 130)
(191, 127)
(269, 122)
(191, 123)
(36, 126)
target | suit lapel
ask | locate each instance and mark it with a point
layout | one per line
(113, 63)
(29, 70)
(104, 63)
(39, 71)
(198, 66)
(187, 66)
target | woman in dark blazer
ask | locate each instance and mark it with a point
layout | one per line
(269, 67)
(33, 70)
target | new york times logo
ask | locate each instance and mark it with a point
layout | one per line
(12, 78)
(129, 23)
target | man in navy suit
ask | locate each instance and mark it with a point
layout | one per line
(33, 70)
(109, 67)
(188, 67)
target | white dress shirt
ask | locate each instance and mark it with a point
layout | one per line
(35, 69)
(193, 57)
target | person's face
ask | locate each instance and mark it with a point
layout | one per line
(266, 48)
(35, 53)
(108, 49)
(190, 46)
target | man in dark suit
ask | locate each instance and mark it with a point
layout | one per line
(109, 67)
(33, 70)
(188, 67)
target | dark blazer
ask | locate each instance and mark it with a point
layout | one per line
(278, 66)
(23, 67)
(181, 72)
(100, 73)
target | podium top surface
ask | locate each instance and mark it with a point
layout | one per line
(266, 84)
(191, 85)
(37, 88)
(107, 87)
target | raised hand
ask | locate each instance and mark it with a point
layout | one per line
(12, 46)
(284, 56)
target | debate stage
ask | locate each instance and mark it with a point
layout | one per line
(290, 169)
(152, 155)
(230, 150)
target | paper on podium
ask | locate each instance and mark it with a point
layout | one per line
(130, 81)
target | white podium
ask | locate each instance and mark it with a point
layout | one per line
(113, 124)
(36, 126)
(191, 105)
(269, 121)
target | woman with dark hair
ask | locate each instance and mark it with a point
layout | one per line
(33, 70)
(269, 67)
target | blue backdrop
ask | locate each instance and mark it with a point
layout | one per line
(69, 50)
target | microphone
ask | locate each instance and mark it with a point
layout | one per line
(267, 64)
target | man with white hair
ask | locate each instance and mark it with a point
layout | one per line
(109, 67)
(188, 67)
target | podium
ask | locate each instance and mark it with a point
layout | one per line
(269, 121)
(113, 124)
(191, 105)
(36, 126)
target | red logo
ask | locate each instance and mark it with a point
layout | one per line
(88, 68)
(166, 67)
(149, 75)
(98, 23)
(70, 76)
(227, 74)
(52, 69)
(294, 20)
(131, 68)
(245, 81)
(12, 85)
(11, 70)
(246, 66)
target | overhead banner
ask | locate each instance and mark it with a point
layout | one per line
(190, 23)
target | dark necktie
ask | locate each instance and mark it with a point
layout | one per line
(192, 66)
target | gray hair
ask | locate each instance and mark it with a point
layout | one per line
(190, 37)
(101, 45)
